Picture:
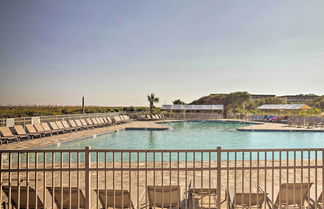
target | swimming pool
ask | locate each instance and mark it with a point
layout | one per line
(198, 135)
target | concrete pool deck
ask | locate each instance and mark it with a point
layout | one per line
(279, 127)
(55, 139)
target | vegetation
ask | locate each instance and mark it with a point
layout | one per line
(236, 102)
(319, 103)
(152, 100)
(29, 111)
(178, 102)
(241, 102)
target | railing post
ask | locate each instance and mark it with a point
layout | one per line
(87, 178)
(219, 175)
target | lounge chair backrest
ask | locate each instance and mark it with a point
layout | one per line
(126, 117)
(31, 129)
(23, 196)
(105, 120)
(89, 121)
(122, 117)
(164, 196)
(20, 130)
(46, 127)
(84, 123)
(100, 120)
(115, 198)
(73, 124)
(291, 193)
(78, 122)
(247, 199)
(116, 118)
(54, 126)
(66, 197)
(149, 116)
(65, 124)
(5, 131)
(109, 120)
(60, 124)
(39, 127)
(94, 121)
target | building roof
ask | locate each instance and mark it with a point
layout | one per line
(193, 107)
(284, 107)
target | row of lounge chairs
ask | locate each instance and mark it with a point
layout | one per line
(152, 117)
(315, 122)
(268, 118)
(30, 131)
(296, 195)
(159, 196)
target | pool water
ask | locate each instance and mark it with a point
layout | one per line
(199, 135)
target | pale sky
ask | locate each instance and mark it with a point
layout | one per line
(117, 52)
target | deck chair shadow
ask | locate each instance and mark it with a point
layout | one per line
(76, 194)
(21, 192)
(246, 200)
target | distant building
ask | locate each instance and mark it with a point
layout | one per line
(299, 98)
(262, 96)
(284, 107)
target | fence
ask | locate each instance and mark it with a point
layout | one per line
(40, 119)
(89, 178)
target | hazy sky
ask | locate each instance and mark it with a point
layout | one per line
(117, 52)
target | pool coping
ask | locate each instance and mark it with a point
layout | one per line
(145, 129)
(280, 130)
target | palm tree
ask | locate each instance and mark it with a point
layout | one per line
(178, 102)
(152, 99)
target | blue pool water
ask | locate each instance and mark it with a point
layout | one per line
(199, 135)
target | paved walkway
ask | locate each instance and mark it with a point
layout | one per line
(45, 141)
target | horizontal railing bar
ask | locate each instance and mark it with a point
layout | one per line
(272, 150)
(271, 167)
(163, 150)
(42, 151)
(162, 169)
